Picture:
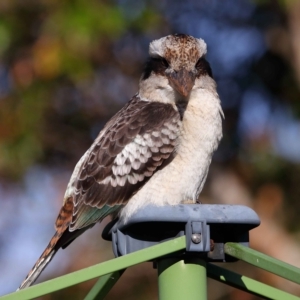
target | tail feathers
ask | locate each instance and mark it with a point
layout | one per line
(37, 269)
(44, 259)
(63, 220)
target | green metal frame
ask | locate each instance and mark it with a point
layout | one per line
(182, 279)
(186, 277)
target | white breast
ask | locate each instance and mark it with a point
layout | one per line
(184, 177)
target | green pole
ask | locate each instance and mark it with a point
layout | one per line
(182, 279)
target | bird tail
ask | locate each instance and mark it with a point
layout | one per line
(61, 225)
(41, 263)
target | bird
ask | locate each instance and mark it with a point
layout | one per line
(156, 150)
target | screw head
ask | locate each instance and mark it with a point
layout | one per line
(196, 238)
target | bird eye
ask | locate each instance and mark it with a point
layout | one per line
(162, 61)
(203, 67)
(199, 62)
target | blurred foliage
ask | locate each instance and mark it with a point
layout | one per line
(46, 46)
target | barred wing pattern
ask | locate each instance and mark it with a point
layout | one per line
(135, 143)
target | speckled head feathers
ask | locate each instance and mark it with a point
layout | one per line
(178, 48)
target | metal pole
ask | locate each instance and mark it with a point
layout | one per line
(180, 279)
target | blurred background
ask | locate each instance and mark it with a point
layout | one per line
(67, 66)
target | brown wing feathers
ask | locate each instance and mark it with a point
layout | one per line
(134, 144)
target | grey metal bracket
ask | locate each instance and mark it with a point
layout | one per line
(206, 227)
(197, 236)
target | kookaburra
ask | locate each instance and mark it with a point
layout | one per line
(156, 150)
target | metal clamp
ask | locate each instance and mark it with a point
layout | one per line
(197, 236)
(206, 227)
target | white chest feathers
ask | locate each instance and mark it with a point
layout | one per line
(183, 178)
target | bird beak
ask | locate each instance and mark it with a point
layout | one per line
(182, 81)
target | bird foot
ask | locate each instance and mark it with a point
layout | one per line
(190, 201)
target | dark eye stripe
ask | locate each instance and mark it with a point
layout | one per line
(158, 65)
(203, 67)
(161, 60)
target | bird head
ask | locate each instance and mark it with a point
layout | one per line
(175, 64)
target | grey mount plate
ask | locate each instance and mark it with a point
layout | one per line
(207, 228)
